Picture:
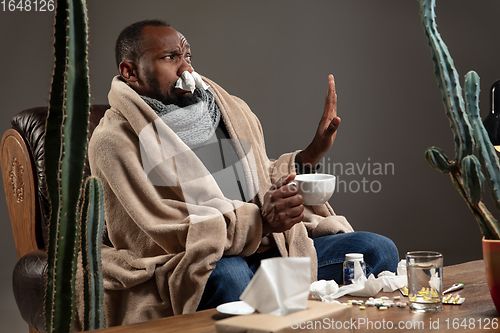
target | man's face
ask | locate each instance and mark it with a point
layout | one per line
(165, 55)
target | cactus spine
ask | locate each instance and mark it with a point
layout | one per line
(466, 171)
(65, 149)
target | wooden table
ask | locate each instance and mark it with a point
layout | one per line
(477, 311)
(478, 308)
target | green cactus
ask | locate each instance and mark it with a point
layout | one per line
(92, 221)
(466, 171)
(436, 157)
(472, 178)
(448, 81)
(65, 149)
(487, 153)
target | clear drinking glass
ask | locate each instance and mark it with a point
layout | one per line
(425, 281)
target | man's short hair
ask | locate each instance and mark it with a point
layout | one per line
(129, 41)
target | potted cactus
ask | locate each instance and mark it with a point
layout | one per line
(76, 213)
(468, 172)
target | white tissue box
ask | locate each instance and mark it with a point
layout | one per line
(316, 313)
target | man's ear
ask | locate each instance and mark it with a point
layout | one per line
(128, 72)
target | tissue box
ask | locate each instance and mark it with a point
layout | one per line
(321, 315)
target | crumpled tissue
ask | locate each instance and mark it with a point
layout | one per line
(362, 286)
(188, 81)
(280, 286)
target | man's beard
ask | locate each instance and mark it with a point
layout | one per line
(181, 101)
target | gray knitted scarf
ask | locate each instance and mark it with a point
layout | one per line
(194, 124)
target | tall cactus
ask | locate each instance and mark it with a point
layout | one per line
(466, 170)
(65, 149)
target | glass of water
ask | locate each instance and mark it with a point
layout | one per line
(425, 281)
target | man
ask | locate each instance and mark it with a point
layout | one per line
(192, 202)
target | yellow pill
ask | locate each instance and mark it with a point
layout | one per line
(362, 308)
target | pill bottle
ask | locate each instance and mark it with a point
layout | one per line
(351, 260)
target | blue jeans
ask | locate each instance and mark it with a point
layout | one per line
(232, 274)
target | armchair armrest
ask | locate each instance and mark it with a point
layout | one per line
(28, 282)
(20, 192)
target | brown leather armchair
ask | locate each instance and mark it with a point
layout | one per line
(22, 163)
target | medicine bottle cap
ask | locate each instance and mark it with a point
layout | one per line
(354, 256)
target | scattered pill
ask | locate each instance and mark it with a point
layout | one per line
(382, 308)
(396, 297)
(385, 298)
(362, 308)
(453, 299)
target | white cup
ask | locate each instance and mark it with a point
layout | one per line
(315, 188)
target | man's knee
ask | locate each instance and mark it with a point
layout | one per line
(380, 253)
(226, 282)
(232, 273)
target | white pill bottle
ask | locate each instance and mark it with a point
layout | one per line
(354, 267)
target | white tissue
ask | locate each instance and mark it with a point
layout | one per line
(198, 81)
(392, 281)
(322, 287)
(435, 280)
(361, 285)
(280, 286)
(371, 287)
(402, 267)
(188, 81)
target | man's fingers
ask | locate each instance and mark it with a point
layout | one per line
(294, 200)
(290, 222)
(333, 125)
(283, 181)
(331, 99)
(330, 112)
(283, 204)
(296, 211)
(287, 196)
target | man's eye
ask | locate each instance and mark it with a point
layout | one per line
(170, 56)
(188, 57)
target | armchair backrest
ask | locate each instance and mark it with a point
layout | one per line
(22, 163)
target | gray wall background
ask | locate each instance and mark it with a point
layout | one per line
(276, 55)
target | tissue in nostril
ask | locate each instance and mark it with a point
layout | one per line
(199, 82)
(188, 81)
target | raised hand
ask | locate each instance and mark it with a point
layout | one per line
(327, 129)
